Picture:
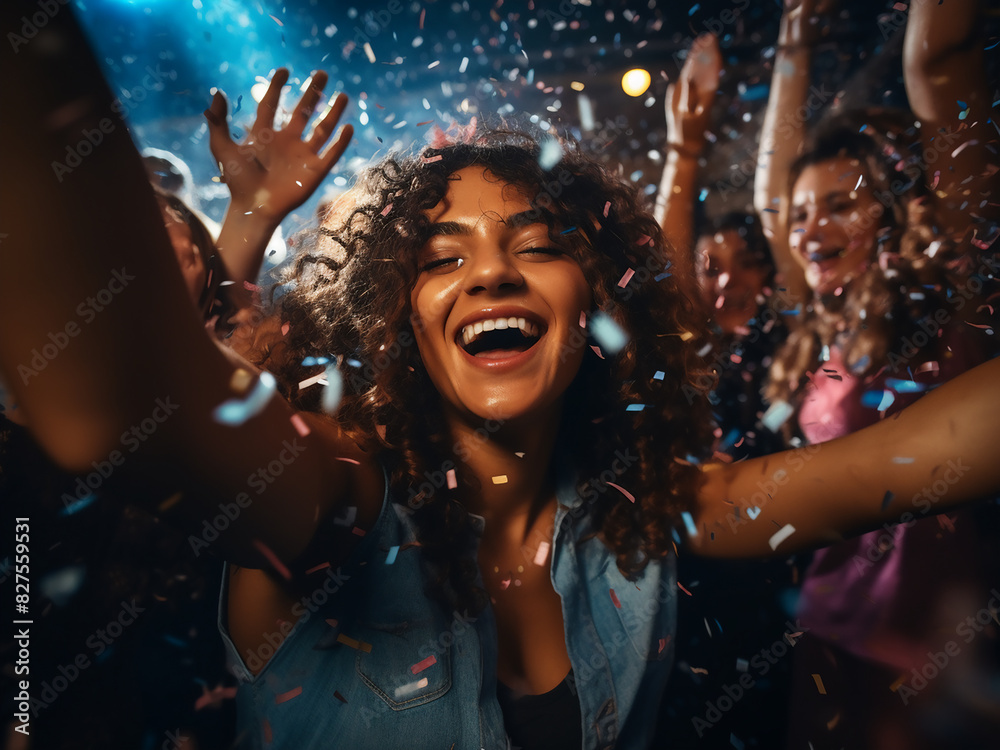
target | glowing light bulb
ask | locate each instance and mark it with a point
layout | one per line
(636, 81)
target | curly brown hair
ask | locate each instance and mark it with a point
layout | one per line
(911, 277)
(349, 299)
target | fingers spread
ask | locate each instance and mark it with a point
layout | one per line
(269, 103)
(325, 126)
(307, 104)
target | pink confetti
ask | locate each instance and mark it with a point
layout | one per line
(928, 367)
(431, 159)
(425, 122)
(583, 319)
(504, 584)
(452, 481)
(386, 210)
(273, 559)
(607, 207)
(626, 278)
(937, 177)
(420, 666)
(293, 693)
(321, 566)
(214, 697)
(622, 490)
(597, 351)
(542, 554)
(423, 12)
(681, 587)
(331, 622)
(250, 287)
(347, 460)
(284, 329)
(300, 425)
(358, 531)
(899, 6)
(277, 20)
(663, 644)
(614, 599)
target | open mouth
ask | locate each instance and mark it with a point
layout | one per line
(499, 337)
(824, 256)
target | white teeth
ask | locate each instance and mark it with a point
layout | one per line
(472, 331)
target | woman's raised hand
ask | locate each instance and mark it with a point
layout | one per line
(273, 171)
(689, 101)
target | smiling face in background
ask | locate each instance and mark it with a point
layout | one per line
(731, 278)
(497, 303)
(834, 223)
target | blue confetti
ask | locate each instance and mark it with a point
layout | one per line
(239, 104)
(567, 231)
(609, 335)
(692, 530)
(694, 9)
(78, 505)
(863, 127)
(662, 276)
(314, 361)
(776, 415)
(659, 375)
(880, 400)
(635, 407)
(235, 412)
(391, 557)
(703, 195)
(905, 386)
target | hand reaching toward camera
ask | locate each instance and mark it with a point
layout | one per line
(689, 102)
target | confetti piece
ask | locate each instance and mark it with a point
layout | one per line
(284, 697)
(405, 690)
(339, 697)
(614, 599)
(626, 278)
(235, 412)
(699, 670)
(170, 502)
(692, 530)
(321, 378)
(607, 207)
(736, 742)
(608, 333)
(315, 568)
(583, 319)
(500, 479)
(662, 645)
(273, 559)
(358, 531)
(659, 375)
(334, 389)
(62, 584)
(285, 329)
(347, 460)
(622, 490)
(681, 587)
(331, 622)
(391, 557)
(542, 554)
(420, 666)
(635, 407)
(965, 145)
(781, 535)
(776, 415)
(240, 380)
(880, 400)
(77, 505)
(356, 645)
(369, 52)
(300, 425)
(277, 20)
(644, 239)
(432, 159)
(905, 386)
(742, 665)
(551, 153)
(452, 480)
(753, 512)
(903, 459)
(386, 210)
(819, 684)
(214, 697)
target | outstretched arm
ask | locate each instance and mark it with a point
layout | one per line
(782, 134)
(689, 104)
(936, 454)
(99, 342)
(271, 172)
(945, 77)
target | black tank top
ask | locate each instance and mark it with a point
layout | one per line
(550, 721)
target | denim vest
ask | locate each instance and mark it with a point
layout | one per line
(372, 663)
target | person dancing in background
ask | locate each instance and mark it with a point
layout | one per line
(888, 250)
